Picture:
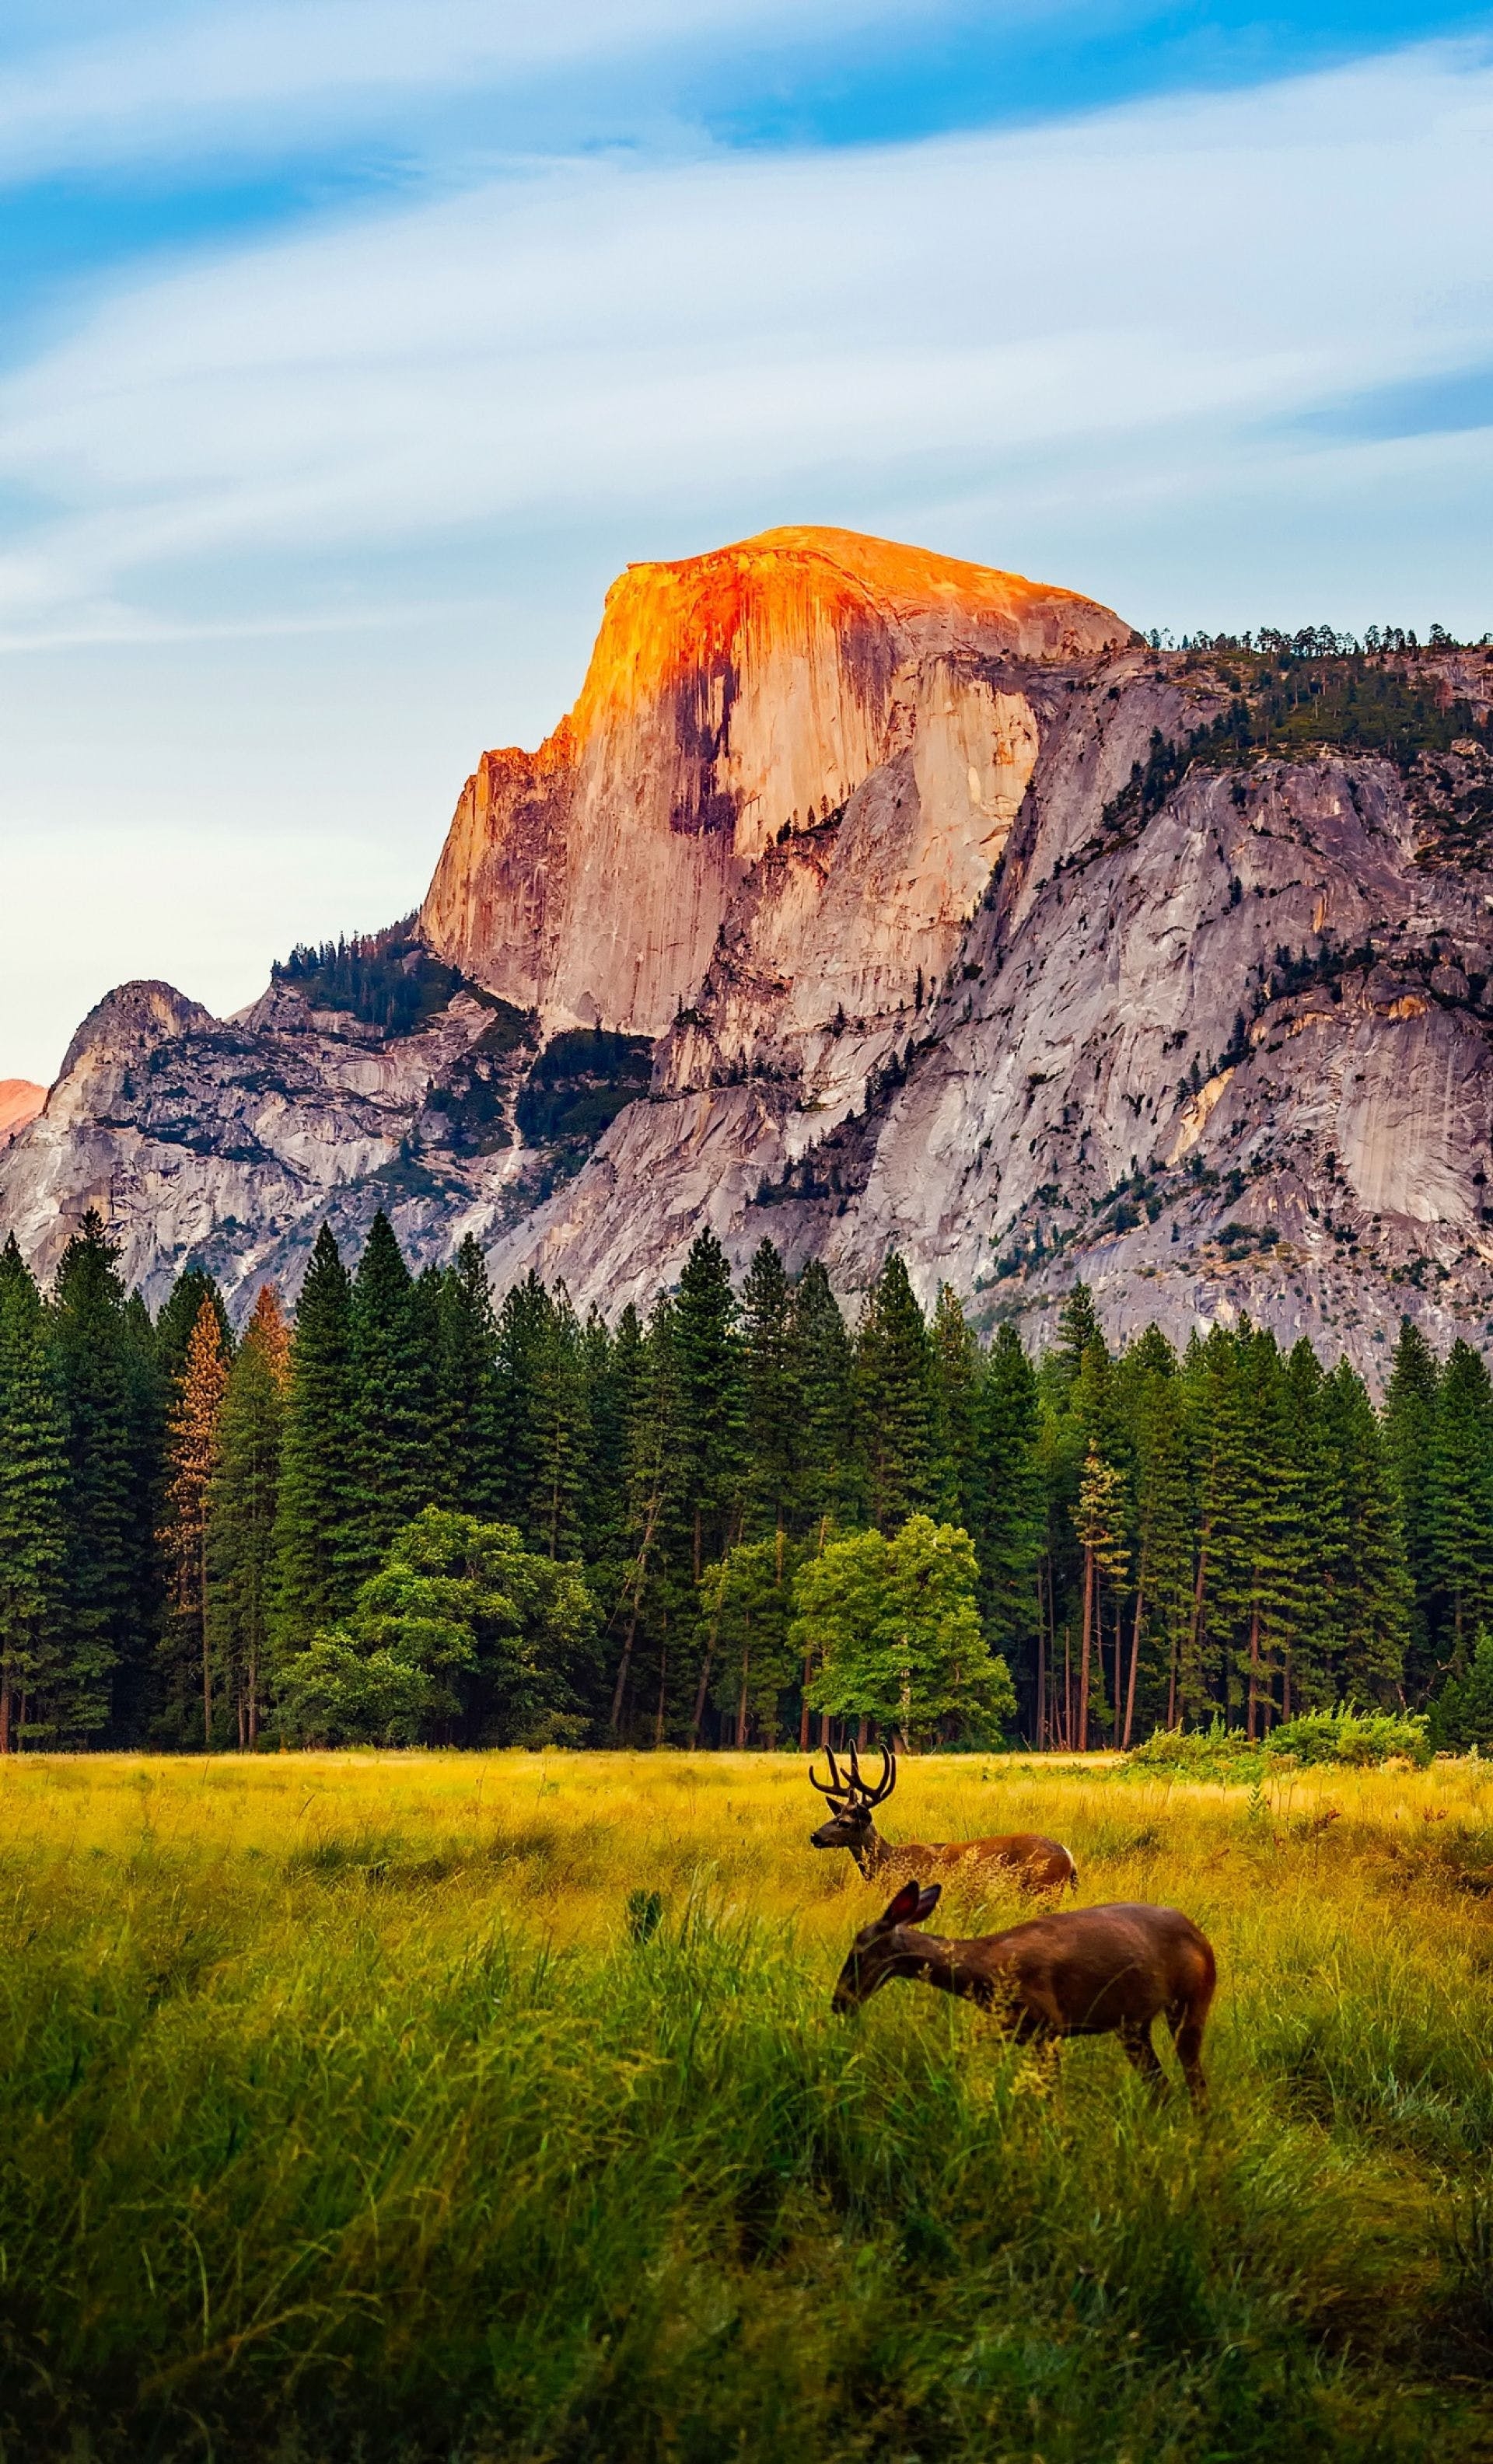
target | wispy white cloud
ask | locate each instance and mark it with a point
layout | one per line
(230, 72)
(603, 333)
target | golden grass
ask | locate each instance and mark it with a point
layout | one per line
(345, 2114)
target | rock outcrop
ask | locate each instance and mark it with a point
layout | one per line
(21, 1099)
(867, 897)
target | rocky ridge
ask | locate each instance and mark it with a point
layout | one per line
(946, 913)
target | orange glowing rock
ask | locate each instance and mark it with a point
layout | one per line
(730, 697)
(21, 1101)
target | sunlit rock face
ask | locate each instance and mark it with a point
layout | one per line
(21, 1099)
(734, 700)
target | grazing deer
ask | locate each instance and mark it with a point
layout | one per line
(1042, 1864)
(1091, 1972)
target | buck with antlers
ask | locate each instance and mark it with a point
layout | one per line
(1092, 1973)
(1042, 1864)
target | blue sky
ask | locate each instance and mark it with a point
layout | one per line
(347, 348)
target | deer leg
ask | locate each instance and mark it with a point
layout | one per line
(1141, 2053)
(1187, 2025)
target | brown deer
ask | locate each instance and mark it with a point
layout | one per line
(1091, 1972)
(1042, 1864)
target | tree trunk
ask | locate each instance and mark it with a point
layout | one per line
(206, 1662)
(655, 1504)
(1252, 1714)
(4, 1712)
(1129, 1691)
(663, 1681)
(1086, 1648)
(1042, 1668)
(1199, 1593)
(1067, 1692)
(741, 1698)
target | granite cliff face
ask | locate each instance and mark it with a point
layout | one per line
(731, 699)
(870, 898)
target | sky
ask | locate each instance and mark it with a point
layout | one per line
(348, 348)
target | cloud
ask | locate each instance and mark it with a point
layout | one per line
(604, 333)
(235, 75)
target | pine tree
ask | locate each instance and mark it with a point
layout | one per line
(826, 1476)
(657, 1578)
(1100, 1526)
(959, 1468)
(563, 1435)
(1410, 1410)
(774, 1395)
(1458, 1505)
(315, 1560)
(1008, 1534)
(191, 1461)
(467, 1453)
(712, 1401)
(179, 1311)
(393, 1394)
(33, 1534)
(99, 1619)
(1370, 1581)
(523, 1333)
(241, 1512)
(1163, 1522)
(895, 1402)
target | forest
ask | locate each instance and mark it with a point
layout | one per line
(419, 1512)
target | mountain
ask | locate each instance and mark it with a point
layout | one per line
(866, 897)
(21, 1101)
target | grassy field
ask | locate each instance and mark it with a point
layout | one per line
(348, 2112)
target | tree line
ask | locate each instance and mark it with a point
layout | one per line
(423, 1512)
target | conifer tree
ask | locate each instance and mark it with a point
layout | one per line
(1458, 1505)
(712, 1401)
(895, 1402)
(774, 1395)
(32, 1536)
(563, 1435)
(179, 1311)
(523, 1333)
(468, 1443)
(826, 1474)
(191, 1462)
(101, 1587)
(393, 1394)
(1008, 1531)
(1370, 1581)
(315, 1575)
(657, 1578)
(614, 1379)
(959, 1465)
(1101, 1535)
(1162, 1518)
(242, 1508)
(1410, 1410)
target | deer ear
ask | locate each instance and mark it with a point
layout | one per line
(903, 1909)
(927, 1901)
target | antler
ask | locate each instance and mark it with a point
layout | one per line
(884, 1786)
(834, 1786)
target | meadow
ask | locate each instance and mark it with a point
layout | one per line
(439, 2106)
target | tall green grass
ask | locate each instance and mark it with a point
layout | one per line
(437, 2107)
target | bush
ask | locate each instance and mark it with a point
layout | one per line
(1358, 1739)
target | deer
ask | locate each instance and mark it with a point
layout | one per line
(1087, 1972)
(1042, 1864)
